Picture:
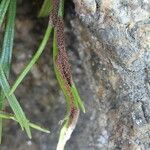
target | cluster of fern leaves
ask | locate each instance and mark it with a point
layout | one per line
(7, 24)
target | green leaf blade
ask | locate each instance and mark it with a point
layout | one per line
(24, 123)
(46, 8)
(8, 38)
(6, 54)
(77, 98)
(3, 8)
(33, 60)
(32, 125)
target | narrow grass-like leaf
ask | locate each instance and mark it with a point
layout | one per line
(8, 38)
(2, 96)
(6, 53)
(33, 60)
(24, 123)
(58, 75)
(77, 98)
(32, 125)
(61, 8)
(46, 8)
(61, 143)
(67, 128)
(37, 127)
(3, 8)
(72, 97)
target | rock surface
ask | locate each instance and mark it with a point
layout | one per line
(116, 58)
(108, 47)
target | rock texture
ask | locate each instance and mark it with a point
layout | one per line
(113, 44)
(108, 46)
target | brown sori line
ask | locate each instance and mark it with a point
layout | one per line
(62, 58)
(62, 61)
(64, 67)
(54, 12)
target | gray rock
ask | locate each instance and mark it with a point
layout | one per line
(113, 45)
